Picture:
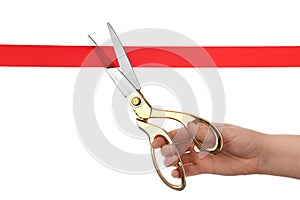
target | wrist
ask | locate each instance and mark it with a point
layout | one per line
(280, 155)
(264, 156)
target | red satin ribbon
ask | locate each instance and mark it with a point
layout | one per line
(75, 56)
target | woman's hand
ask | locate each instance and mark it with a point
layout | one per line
(241, 153)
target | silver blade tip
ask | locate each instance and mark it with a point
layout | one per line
(109, 26)
(111, 30)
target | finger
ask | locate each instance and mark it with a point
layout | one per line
(190, 170)
(168, 150)
(187, 158)
(158, 142)
(184, 147)
(173, 133)
(182, 140)
(175, 173)
(205, 166)
(171, 160)
(197, 130)
(179, 135)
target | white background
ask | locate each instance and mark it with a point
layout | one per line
(41, 156)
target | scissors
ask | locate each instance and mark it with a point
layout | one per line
(126, 81)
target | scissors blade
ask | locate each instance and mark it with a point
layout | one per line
(121, 81)
(123, 60)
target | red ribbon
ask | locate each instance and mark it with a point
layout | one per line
(76, 56)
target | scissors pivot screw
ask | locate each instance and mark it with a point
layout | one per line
(136, 101)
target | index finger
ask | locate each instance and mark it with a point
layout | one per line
(179, 135)
(160, 141)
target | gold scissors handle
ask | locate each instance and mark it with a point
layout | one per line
(154, 131)
(184, 119)
(144, 112)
